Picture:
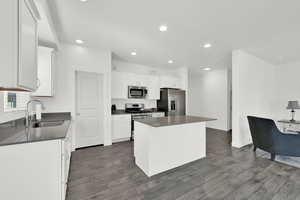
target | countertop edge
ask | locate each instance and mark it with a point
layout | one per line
(157, 124)
(172, 124)
(30, 142)
(122, 112)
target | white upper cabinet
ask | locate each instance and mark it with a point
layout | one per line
(137, 79)
(144, 80)
(121, 81)
(119, 85)
(27, 76)
(19, 40)
(153, 88)
(169, 82)
(45, 72)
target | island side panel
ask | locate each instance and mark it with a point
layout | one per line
(173, 146)
(141, 146)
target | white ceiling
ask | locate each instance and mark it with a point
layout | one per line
(267, 28)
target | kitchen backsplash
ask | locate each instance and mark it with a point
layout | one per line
(7, 113)
(120, 103)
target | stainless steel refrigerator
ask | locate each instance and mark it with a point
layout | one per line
(172, 101)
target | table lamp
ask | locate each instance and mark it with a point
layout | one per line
(293, 105)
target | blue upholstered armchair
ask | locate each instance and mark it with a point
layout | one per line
(266, 136)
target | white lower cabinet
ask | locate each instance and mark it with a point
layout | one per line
(158, 114)
(121, 127)
(66, 161)
(35, 171)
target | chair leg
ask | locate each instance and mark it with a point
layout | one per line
(273, 155)
(254, 148)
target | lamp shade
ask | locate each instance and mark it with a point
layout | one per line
(293, 105)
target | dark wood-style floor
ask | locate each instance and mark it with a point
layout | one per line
(109, 173)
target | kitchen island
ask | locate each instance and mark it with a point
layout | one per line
(164, 143)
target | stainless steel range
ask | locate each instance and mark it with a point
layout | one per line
(134, 107)
(137, 111)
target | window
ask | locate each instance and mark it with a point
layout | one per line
(15, 101)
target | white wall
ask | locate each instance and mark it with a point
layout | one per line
(229, 98)
(208, 97)
(288, 88)
(253, 89)
(69, 59)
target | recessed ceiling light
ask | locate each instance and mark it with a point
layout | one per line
(170, 61)
(83, 0)
(133, 53)
(163, 28)
(79, 41)
(207, 45)
(206, 68)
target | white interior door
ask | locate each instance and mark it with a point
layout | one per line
(89, 119)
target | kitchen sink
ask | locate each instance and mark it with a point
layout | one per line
(47, 123)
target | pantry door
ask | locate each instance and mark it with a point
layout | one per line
(89, 115)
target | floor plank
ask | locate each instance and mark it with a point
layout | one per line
(109, 173)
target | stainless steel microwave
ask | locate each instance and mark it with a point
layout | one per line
(136, 92)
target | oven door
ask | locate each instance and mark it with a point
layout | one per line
(137, 92)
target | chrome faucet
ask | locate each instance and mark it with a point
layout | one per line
(28, 118)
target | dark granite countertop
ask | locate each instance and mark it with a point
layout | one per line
(15, 132)
(122, 112)
(173, 120)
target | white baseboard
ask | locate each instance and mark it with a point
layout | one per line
(121, 140)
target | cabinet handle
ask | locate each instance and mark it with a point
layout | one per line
(38, 83)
